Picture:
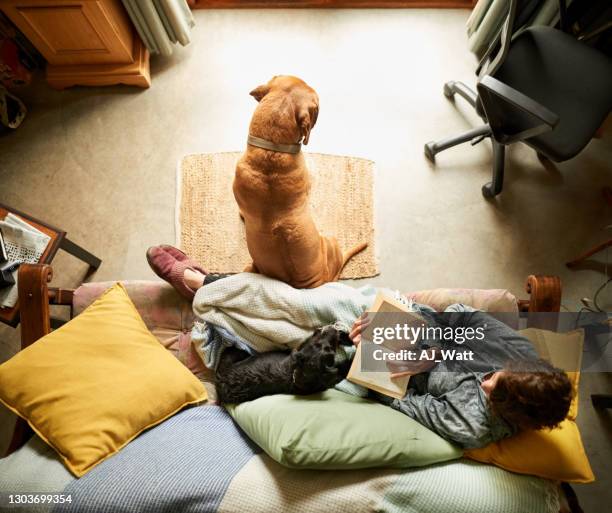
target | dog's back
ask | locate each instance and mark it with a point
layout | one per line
(240, 378)
(272, 190)
(283, 241)
(309, 369)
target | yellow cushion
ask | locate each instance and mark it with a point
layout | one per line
(563, 350)
(93, 385)
(558, 453)
(574, 377)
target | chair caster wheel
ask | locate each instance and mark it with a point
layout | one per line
(430, 152)
(448, 91)
(487, 190)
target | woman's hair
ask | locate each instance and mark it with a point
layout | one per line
(531, 394)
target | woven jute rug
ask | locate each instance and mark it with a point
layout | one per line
(209, 228)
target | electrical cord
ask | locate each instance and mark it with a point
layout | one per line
(596, 295)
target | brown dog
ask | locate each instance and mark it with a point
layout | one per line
(272, 185)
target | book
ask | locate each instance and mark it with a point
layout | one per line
(376, 376)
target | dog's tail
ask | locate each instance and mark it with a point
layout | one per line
(352, 252)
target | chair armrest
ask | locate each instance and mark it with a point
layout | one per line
(32, 280)
(32, 283)
(544, 301)
(545, 293)
(59, 296)
(502, 102)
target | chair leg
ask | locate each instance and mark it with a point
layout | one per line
(596, 249)
(82, 254)
(452, 88)
(493, 188)
(433, 147)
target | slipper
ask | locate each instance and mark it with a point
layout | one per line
(182, 257)
(169, 269)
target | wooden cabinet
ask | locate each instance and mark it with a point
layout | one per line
(86, 42)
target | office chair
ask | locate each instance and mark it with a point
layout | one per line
(542, 87)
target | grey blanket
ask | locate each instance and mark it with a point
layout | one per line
(257, 313)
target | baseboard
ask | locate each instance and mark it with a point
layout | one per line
(333, 4)
(135, 73)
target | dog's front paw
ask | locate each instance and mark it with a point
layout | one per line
(251, 268)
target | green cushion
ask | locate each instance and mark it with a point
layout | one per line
(334, 430)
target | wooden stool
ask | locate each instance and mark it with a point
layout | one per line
(58, 240)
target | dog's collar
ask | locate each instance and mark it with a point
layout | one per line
(269, 145)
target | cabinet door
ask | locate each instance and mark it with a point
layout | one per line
(74, 31)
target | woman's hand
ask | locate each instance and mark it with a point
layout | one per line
(401, 369)
(358, 326)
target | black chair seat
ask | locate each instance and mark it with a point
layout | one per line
(568, 77)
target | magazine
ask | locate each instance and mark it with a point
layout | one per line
(24, 244)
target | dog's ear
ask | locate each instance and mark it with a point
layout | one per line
(260, 91)
(306, 119)
(344, 339)
(298, 358)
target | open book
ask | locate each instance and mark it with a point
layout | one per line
(372, 374)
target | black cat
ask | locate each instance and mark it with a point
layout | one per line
(306, 370)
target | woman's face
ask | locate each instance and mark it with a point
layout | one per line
(488, 384)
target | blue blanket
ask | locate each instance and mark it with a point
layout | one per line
(186, 470)
(200, 461)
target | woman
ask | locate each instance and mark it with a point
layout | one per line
(506, 388)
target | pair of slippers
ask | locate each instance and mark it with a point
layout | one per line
(170, 263)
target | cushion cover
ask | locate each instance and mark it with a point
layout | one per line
(94, 384)
(487, 300)
(557, 453)
(334, 430)
(167, 315)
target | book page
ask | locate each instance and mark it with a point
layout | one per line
(379, 379)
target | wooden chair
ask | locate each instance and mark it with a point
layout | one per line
(36, 296)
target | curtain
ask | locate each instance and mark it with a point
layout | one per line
(161, 23)
(485, 23)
